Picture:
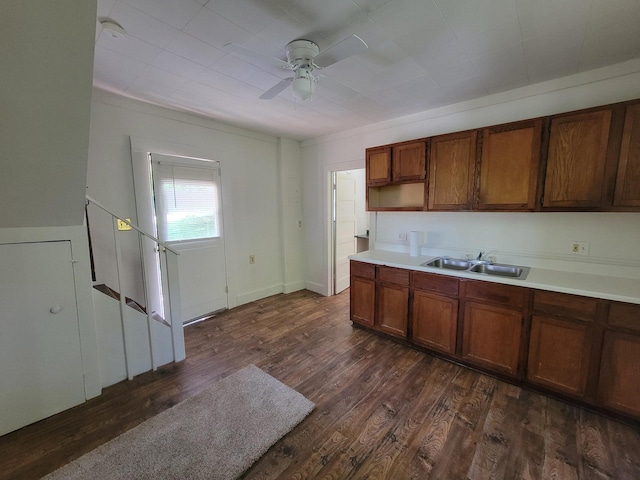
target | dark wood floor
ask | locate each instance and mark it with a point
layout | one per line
(382, 410)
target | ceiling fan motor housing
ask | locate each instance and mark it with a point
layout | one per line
(301, 52)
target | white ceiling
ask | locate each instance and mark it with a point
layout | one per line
(422, 54)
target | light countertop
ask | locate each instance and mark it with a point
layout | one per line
(589, 285)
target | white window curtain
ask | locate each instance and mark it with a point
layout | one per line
(187, 201)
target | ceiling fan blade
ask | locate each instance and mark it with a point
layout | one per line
(344, 48)
(276, 89)
(248, 53)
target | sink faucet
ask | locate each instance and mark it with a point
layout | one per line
(483, 257)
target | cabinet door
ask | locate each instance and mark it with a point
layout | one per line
(362, 296)
(492, 337)
(409, 160)
(392, 308)
(627, 192)
(559, 354)
(40, 357)
(509, 166)
(435, 321)
(378, 165)
(619, 387)
(576, 162)
(452, 165)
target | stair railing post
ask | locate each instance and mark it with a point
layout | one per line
(177, 328)
(147, 297)
(123, 301)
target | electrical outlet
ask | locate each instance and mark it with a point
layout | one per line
(402, 236)
(299, 223)
(580, 248)
(252, 259)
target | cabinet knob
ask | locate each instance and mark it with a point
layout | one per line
(55, 309)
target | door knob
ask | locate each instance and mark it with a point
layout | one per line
(55, 309)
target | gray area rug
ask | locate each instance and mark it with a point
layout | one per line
(217, 434)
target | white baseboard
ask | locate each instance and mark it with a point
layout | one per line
(293, 287)
(249, 297)
(318, 288)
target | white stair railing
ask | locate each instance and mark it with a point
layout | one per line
(173, 313)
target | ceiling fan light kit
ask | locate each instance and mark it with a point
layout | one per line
(303, 85)
(303, 57)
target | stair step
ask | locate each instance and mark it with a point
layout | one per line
(113, 294)
(156, 316)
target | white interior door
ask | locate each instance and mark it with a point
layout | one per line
(40, 361)
(188, 204)
(345, 228)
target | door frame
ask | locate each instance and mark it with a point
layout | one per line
(330, 172)
(143, 192)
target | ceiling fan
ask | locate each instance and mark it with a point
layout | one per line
(303, 57)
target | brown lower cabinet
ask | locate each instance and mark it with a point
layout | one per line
(379, 298)
(577, 347)
(619, 387)
(559, 354)
(392, 301)
(362, 294)
(492, 337)
(435, 312)
(493, 324)
(560, 345)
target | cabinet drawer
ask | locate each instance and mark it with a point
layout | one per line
(625, 315)
(565, 305)
(393, 275)
(362, 269)
(435, 283)
(497, 293)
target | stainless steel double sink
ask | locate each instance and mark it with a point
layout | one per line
(480, 267)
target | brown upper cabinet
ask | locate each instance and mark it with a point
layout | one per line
(409, 161)
(378, 163)
(627, 190)
(509, 166)
(587, 160)
(396, 176)
(402, 162)
(452, 165)
(575, 174)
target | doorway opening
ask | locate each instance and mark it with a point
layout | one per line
(350, 223)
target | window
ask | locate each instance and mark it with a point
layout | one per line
(187, 201)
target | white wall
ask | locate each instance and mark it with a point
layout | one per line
(540, 236)
(361, 205)
(291, 224)
(45, 93)
(540, 240)
(253, 168)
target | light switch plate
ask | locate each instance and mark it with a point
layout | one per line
(123, 226)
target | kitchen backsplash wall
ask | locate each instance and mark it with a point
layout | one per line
(541, 240)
